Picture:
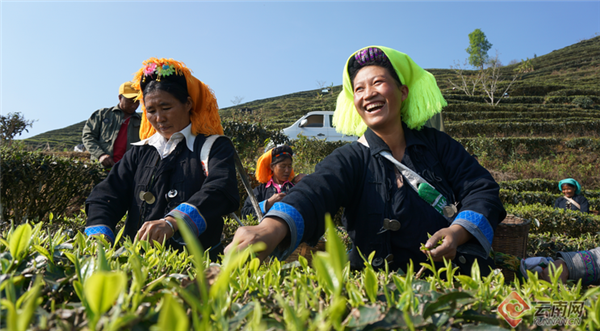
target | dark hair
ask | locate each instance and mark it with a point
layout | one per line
(281, 153)
(174, 84)
(354, 67)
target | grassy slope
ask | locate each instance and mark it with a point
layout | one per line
(574, 69)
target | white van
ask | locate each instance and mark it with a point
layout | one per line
(316, 124)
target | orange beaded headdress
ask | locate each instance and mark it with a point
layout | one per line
(205, 112)
(272, 156)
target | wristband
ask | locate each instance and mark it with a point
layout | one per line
(171, 225)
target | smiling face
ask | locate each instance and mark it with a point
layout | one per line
(282, 171)
(568, 190)
(378, 98)
(166, 113)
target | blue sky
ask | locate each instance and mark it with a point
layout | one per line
(60, 61)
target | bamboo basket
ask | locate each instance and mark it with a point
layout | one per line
(510, 237)
(306, 251)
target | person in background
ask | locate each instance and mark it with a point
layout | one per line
(109, 132)
(572, 199)
(163, 180)
(275, 173)
(398, 183)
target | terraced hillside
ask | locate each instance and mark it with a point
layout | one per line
(547, 128)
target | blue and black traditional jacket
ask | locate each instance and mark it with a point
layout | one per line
(562, 202)
(177, 185)
(363, 182)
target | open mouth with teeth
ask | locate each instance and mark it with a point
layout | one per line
(374, 106)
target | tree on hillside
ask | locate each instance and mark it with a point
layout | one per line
(478, 48)
(237, 100)
(492, 78)
(12, 125)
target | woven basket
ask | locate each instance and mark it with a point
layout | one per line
(306, 251)
(511, 235)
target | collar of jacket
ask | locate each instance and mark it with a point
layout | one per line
(376, 144)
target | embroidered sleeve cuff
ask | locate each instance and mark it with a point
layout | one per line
(296, 223)
(582, 265)
(191, 216)
(100, 229)
(478, 226)
(262, 206)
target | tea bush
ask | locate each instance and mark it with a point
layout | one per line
(585, 101)
(310, 151)
(51, 281)
(556, 221)
(544, 198)
(534, 184)
(35, 184)
(549, 244)
(465, 129)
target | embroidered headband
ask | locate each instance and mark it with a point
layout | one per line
(204, 117)
(423, 101)
(370, 54)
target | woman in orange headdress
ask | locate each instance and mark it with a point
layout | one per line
(274, 172)
(163, 179)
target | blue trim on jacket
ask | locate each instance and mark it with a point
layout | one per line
(100, 229)
(294, 220)
(192, 217)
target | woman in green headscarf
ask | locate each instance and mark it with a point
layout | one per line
(398, 183)
(572, 199)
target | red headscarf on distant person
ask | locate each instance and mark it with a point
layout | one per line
(205, 112)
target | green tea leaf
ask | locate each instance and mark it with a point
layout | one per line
(30, 305)
(172, 316)
(370, 283)
(336, 249)
(19, 241)
(102, 289)
(434, 306)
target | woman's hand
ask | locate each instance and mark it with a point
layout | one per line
(271, 231)
(451, 237)
(564, 275)
(157, 230)
(275, 198)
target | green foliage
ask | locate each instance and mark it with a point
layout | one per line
(472, 128)
(549, 244)
(556, 221)
(585, 101)
(543, 198)
(535, 184)
(250, 139)
(165, 291)
(478, 48)
(33, 184)
(310, 151)
(12, 125)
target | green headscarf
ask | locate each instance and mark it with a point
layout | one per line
(424, 97)
(570, 181)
